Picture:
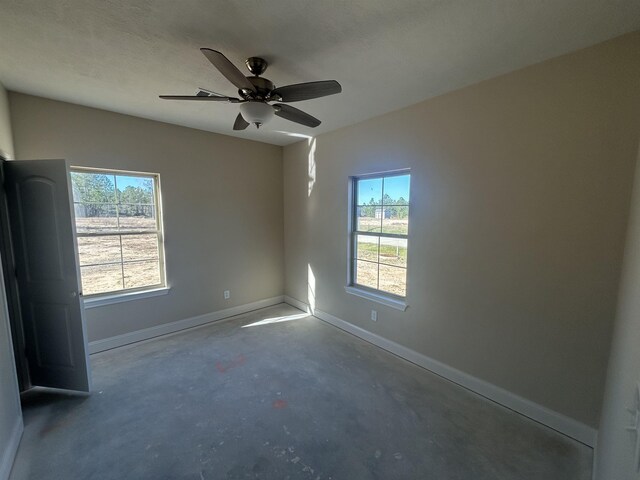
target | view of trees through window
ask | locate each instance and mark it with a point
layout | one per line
(380, 231)
(119, 234)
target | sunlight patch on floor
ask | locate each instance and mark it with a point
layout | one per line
(285, 318)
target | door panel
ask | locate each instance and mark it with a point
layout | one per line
(43, 254)
(11, 287)
(52, 331)
(42, 228)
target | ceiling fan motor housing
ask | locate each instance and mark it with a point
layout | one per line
(256, 65)
(263, 88)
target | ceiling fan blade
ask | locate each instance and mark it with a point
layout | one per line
(240, 123)
(228, 69)
(294, 115)
(203, 92)
(200, 98)
(307, 91)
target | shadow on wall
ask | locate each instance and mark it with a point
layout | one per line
(311, 143)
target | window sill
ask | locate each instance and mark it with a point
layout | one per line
(123, 297)
(377, 297)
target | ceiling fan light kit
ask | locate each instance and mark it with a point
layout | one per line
(257, 92)
(257, 113)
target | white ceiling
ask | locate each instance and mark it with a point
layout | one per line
(120, 55)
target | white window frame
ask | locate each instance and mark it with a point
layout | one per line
(126, 294)
(380, 296)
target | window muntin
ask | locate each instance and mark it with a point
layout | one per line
(119, 230)
(379, 232)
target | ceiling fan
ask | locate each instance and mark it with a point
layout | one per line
(257, 92)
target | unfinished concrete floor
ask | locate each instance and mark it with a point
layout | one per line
(295, 399)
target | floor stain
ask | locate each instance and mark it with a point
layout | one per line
(279, 404)
(236, 362)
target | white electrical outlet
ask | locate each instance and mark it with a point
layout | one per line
(227, 294)
(374, 315)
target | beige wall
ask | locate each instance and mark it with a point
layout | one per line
(10, 413)
(222, 203)
(6, 136)
(616, 452)
(519, 202)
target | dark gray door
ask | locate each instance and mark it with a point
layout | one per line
(43, 233)
(11, 287)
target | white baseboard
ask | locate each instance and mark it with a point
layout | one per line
(594, 463)
(297, 303)
(9, 455)
(557, 421)
(172, 327)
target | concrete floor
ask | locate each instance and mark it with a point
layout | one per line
(296, 399)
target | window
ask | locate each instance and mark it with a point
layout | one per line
(119, 230)
(379, 232)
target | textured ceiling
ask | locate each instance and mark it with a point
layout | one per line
(120, 55)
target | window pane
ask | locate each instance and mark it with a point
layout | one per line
(101, 279)
(141, 274)
(105, 204)
(95, 217)
(395, 220)
(393, 251)
(140, 247)
(381, 207)
(369, 219)
(137, 217)
(367, 247)
(94, 250)
(367, 274)
(370, 191)
(393, 280)
(396, 190)
(93, 187)
(135, 190)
